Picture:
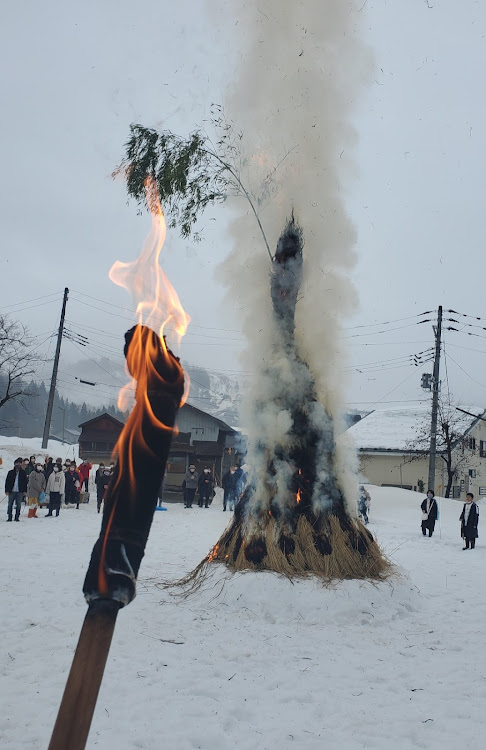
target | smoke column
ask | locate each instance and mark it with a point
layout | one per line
(300, 67)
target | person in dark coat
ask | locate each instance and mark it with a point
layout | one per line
(102, 481)
(30, 466)
(469, 519)
(189, 486)
(429, 513)
(73, 486)
(205, 487)
(230, 486)
(48, 466)
(15, 488)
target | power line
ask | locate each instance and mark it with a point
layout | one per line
(23, 309)
(466, 373)
(389, 322)
(34, 299)
(386, 330)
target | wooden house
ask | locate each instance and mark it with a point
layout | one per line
(200, 439)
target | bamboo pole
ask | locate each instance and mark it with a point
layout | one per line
(78, 703)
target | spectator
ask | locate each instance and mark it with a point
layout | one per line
(189, 486)
(56, 485)
(230, 487)
(205, 487)
(48, 468)
(15, 488)
(469, 519)
(83, 472)
(30, 466)
(35, 485)
(364, 502)
(72, 486)
(102, 481)
(429, 513)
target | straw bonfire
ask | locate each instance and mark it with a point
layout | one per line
(292, 517)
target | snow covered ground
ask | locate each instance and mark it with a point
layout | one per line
(252, 661)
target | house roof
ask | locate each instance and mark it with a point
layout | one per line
(397, 429)
(105, 415)
(222, 425)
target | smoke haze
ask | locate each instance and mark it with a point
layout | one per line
(301, 65)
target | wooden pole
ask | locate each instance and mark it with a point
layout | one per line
(78, 703)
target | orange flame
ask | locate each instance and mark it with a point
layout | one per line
(157, 301)
(299, 495)
(157, 306)
(214, 553)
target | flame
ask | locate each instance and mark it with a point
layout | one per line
(214, 552)
(158, 303)
(299, 495)
(157, 306)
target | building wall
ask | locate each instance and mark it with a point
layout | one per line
(400, 469)
(201, 426)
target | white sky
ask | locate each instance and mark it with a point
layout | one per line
(75, 75)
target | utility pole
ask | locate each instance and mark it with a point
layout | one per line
(435, 401)
(52, 390)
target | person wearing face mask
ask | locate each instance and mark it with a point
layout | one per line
(205, 487)
(30, 466)
(189, 486)
(73, 486)
(35, 485)
(56, 485)
(230, 487)
(15, 488)
(469, 519)
(429, 513)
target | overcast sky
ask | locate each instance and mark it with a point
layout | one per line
(75, 75)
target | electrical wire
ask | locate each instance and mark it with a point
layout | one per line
(466, 373)
(28, 301)
(386, 330)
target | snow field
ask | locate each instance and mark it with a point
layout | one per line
(252, 660)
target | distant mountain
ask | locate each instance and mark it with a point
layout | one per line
(216, 393)
(213, 392)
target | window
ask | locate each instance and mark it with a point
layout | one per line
(472, 444)
(482, 490)
(482, 448)
(463, 484)
(456, 491)
(472, 473)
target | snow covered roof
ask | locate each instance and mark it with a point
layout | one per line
(396, 429)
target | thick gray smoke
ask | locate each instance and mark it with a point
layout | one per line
(301, 65)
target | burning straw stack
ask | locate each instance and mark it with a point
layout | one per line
(292, 517)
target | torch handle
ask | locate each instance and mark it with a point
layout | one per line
(81, 692)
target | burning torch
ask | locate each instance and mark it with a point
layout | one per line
(131, 499)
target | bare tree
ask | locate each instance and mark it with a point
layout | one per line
(17, 360)
(450, 441)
